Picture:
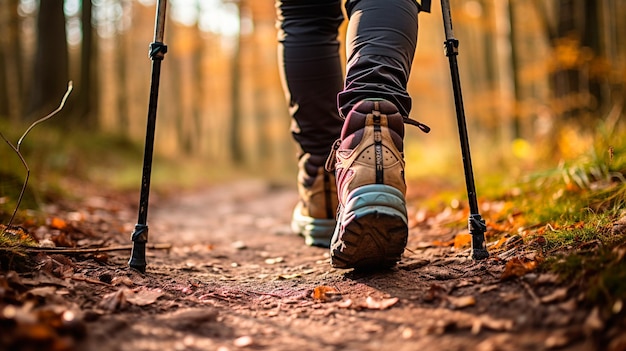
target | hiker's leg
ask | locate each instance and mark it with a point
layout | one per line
(308, 54)
(380, 45)
(372, 228)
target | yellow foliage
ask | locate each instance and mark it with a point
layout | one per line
(522, 149)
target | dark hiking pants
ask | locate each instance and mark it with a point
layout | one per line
(380, 44)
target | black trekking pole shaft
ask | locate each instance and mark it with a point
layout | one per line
(476, 224)
(157, 52)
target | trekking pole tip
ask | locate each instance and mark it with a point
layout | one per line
(138, 254)
(138, 257)
(477, 228)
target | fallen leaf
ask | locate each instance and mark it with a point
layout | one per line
(593, 321)
(515, 267)
(461, 301)
(443, 243)
(57, 223)
(569, 306)
(508, 297)
(345, 303)
(326, 293)
(617, 306)
(557, 341)
(488, 288)
(499, 243)
(462, 240)
(243, 341)
(547, 278)
(407, 333)
(491, 324)
(289, 276)
(274, 260)
(114, 301)
(557, 295)
(239, 245)
(43, 291)
(101, 257)
(372, 304)
(62, 240)
(433, 292)
(143, 296)
(119, 280)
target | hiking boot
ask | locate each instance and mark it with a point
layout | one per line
(372, 228)
(314, 215)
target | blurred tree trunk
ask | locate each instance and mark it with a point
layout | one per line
(10, 59)
(121, 88)
(517, 96)
(576, 41)
(88, 86)
(50, 71)
(236, 147)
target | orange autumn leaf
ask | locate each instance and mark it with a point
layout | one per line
(57, 223)
(499, 243)
(443, 243)
(498, 227)
(326, 293)
(515, 267)
(462, 240)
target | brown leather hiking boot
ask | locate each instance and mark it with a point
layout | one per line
(372, 226)
(314, 215)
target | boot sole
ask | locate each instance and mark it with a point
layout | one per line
(372, 230)
(316, 231)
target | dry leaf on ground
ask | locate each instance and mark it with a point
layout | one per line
(461, 301)
(143, 296)
(556, 295)
(114, 301)
(485, 321)
(515, 267)
(462, 240)
(326, 293)
(374, 304)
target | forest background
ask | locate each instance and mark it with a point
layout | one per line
(541, 80)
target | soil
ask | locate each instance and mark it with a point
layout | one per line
(232, 277)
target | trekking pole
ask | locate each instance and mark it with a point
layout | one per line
(476, 224)
(157, 53)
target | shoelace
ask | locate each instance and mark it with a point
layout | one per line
(330, 161)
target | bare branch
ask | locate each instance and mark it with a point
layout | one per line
(67, 93)
(16, 148)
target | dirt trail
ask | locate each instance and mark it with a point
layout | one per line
(235, 279)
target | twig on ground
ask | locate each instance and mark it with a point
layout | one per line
(92, 281)
(80, 251)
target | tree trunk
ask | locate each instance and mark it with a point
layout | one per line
(236, 148)
(10, 59)
(51, 72)
(87, 89)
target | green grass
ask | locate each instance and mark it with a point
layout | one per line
(574, 206)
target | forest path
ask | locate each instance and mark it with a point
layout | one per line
(236, 279)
